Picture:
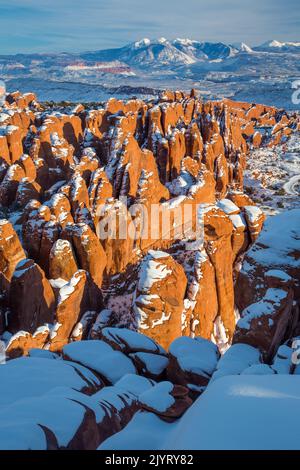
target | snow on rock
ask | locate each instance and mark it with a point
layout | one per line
(96, 424)
(255, 219)
(62, 263)
(76, 301)
(166, 400)
(159, 397)
(181, 185)
(277, 246)
(58, 401)
(278, 278)
(247, 402)
(123, 404)
(236, 359)
(64, 422)
(159, 297)
(153, 271)
(69, 419)
(101, 358)
(42, 353)
(28, 435)
(252, 214)
(228, 206)
(238, 221)
(58, 283)
(267, 306)
(146, 431)
(259, 369)
(268, 283)
(149, 364)
(192, 362)
(278, 274)
(261, 322)
(103, 320)
(68, 288)
(24, 377)
(129, 341)
(135, 384)
(283, 360)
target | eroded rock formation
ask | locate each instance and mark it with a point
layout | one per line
(92, 202)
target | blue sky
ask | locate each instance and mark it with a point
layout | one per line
(77, 25)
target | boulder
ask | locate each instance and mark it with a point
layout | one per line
(192, 362)
(101, 358)
(166, 400)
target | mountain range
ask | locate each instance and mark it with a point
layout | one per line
(263, 72)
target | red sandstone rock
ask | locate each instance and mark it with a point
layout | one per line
(159, 297)
(177, 152)
(255, 219)
(21, 343)
(267, 284)
(88, 250)
(11, 251)
(201, 305)
(112, 229)
(32, 300)
(10, 183)
(264, 323)
(218, 232)
(75, 298)
(62, 262)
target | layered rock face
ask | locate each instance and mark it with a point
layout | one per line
(131, 215)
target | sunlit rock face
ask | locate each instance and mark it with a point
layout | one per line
(132, 215)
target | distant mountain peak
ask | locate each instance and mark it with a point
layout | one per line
(142, 43)
(145, 42)
(242, 47)
(184, 41)
(274, 44)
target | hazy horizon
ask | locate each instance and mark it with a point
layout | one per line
(29, 26)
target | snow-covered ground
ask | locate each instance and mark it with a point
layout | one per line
(239, 412)
(272, 177)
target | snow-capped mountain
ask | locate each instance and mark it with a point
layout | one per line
(242, 47)
(157, 52)
(205, 50)
(160, 51)
(277, 46)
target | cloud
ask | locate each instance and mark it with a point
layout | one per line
(56, 25)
